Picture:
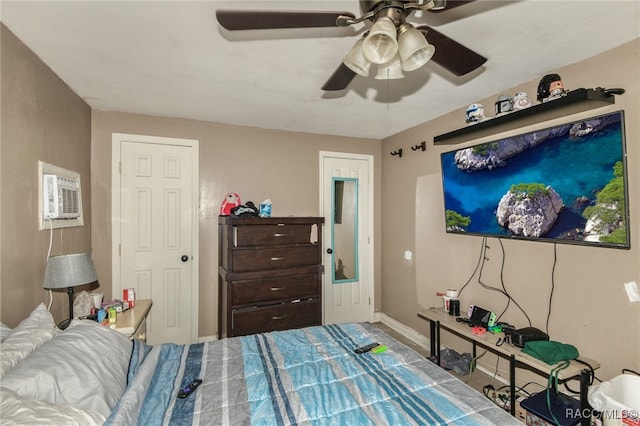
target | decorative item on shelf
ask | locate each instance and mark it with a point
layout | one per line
(398, 152)
(550, 88)
(421, 146)
(612, 91)
(504, 105)
(475, 113)
(230, 201)
(521, 101)
(68, 271)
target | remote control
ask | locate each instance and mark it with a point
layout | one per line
(366, 348)
(188, 390)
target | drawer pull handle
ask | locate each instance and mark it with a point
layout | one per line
(277, 258)
(279, 317)
(277, 288)
(279, 234)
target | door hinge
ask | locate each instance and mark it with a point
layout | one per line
(119, 249)
(369, 301)
(120, 167)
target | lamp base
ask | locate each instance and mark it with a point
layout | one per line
(62, 325)
(65, 323)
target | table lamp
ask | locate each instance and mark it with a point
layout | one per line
(68, 271)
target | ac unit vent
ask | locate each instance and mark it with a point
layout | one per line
(62, 197)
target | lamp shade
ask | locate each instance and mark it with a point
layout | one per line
(69, 270)
(391, 70)
(413, 48)
(380, 46)
(356, 61)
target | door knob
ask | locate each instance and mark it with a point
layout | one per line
(184, 258)
(329, 251)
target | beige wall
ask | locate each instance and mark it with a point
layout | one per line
(255, 163)
(590, 309)
(42, 119)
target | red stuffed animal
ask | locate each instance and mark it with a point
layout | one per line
(230, 201)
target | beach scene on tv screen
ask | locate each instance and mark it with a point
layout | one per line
(565, 183)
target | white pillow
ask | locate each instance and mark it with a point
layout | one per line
(33, 331)
(84, 366)
(21, 410)
(4, 331)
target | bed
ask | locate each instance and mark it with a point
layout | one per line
(89, 374)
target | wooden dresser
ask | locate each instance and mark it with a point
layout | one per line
(269, 274)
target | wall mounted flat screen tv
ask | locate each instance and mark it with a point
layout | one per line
(564, 184)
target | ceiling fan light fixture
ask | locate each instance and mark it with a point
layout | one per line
(356, 61)
(380, 46)
(413, 48)
(391, 70)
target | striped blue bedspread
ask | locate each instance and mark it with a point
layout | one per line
(306, 376)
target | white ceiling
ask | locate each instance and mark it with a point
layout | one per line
(171, 58)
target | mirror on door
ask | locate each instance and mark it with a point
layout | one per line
(344, 230)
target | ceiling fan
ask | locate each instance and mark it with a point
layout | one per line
(391, 43)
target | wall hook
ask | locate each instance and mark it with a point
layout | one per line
(422, 146)
(398, 153)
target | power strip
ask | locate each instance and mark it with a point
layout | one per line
(502, 399)
(521, 413)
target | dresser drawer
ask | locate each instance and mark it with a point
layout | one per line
(246, 260)
(268, 289)
(276, 317)
(271, 235)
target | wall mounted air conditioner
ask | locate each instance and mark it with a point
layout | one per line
(60, 197)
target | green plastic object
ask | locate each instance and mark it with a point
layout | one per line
(379, 349)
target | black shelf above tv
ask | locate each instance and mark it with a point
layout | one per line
(573, 102)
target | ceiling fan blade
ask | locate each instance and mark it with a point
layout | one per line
(340, 79)
(267, 19)
(451, 4)
(451, 55)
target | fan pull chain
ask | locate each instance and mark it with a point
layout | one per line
(388, 80)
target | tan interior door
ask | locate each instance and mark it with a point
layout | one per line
(156, 235)
(347, 240)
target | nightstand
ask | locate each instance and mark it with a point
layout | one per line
(132, 322)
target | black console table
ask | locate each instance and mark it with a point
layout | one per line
(439, 319)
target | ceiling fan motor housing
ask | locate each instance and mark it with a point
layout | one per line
(393, 9)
